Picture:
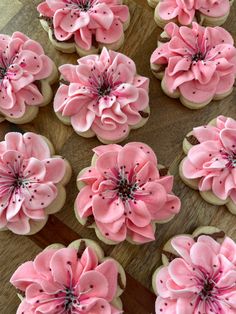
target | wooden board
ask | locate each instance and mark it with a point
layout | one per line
(168, 124)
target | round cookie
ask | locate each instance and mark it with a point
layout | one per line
(26, 76)
(193, 64)
(211, 160)
(32, 180)
(182, 13)
(80, 278)
(194, 276)
(103, 96)
(132, 189)
(84, 27)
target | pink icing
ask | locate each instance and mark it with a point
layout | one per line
(28, 177)
(213, 160)
(185, 10)
(86, 20)
(22, 63)
(104, 94)
(200, 62)
(59, 282)
(125, 193)
(201, 280)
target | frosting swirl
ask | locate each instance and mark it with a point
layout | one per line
(200, 280)
(213, 161)
(86, 20)
(199, 62)
(187, 11)
(28, 181)
(22, 63)
(125, 193)
(60, 281)
(104, 95)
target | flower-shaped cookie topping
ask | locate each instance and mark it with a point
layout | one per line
(89, 23)
(29, 182)
(200, 278)
(206, 12)
(125, 193)
(195, 64)
(103, 95)
(23, 64)
(210, 165)
(70, 281)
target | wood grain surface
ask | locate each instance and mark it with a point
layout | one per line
(168, 124)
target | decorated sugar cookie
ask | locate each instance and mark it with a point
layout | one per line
(197, 275)
(32, 182)
(104, 96)
(210, 164)
(208, 13)
(26, 74)
(84, 26)
(74, 279)
(124, 193)
(196, 65)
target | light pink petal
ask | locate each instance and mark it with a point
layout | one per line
(35, 146)
(94, 283)
(25, 307)
(99, 150)
(107, 210)
(109, 269)
(42, 263)
(55, 169)
(203, 256)
(140, 234)
(89, 259)
(130, 157)
(83, 120)
(228, 249)
(115, 231)
(63, 265)
(165, 306)
(111, 35)
(154, 196)
(83, 202)
(138, 213)
(161, 279)
(71, 23)
(103, 16)
(24, 276)
(83, 38)
(183, 244)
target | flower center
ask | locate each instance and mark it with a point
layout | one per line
(207, 288)
(126, 189)
(198, 56)
(231, 157)
(102, 84)
(82, 5)
(3, 72)
(104, 89)
(19, 182)
(70, 299)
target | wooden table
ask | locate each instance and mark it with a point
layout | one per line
(168, 124)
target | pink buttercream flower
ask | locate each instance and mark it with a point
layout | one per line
(87, 21)
(103, 96)
(125, 193)
(23, 63)
(185, 12)
(197, 64)
(200, 279)
(212, 162)
(29, 181)
(66, 281)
